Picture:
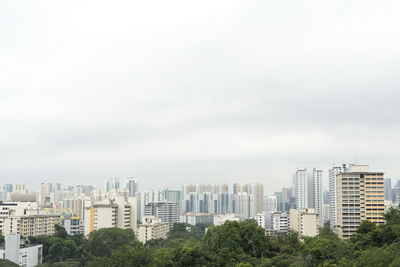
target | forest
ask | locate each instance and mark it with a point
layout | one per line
(240, 244)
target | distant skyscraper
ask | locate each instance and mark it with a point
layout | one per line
(271, 203)
(112, 184)
(132, 185)
(244, 205)
(308, 189)
(8, 188)
(388, 189)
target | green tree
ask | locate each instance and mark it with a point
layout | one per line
(163, 257)
(392, 216)
(366, 227)
(103, 242)
(7, 263)
(1, 237)
(131, 256)
(60, 231)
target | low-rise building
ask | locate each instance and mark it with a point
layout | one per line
(23, 255)
(152, 228)
(220, 219)
(280, 222)
(304, 221)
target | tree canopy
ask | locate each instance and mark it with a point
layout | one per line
(231, 244)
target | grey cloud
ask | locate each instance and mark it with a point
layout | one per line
(182, 91)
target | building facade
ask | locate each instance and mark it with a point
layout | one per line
(152, 228)
(23, 255)
(304, 221)
(117, 212)
(360, 196)
(30, 225)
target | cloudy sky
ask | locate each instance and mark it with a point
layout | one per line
(174, 92)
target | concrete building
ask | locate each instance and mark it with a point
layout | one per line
(219, 219)
(280, 221)
(309, 190)
(72, 224)
(388, 188)
(25, 256)
(19, 208)
(31, 224)
(332, 194)
(76, 205)
(132, 185)
(152, 228)
(270, 203)
(244, 205)
(304, 221)
(112, 184)
(262, 219)
(197, 218)
(165, 210)
(117, 212)
(326, 213)
(360, 196)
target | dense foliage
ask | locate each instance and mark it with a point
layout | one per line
(232, 244)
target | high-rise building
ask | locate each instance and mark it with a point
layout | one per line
(118, 212)
(332, 194)
(309, 190)
(244, 206)
(388, 188)
(164, 210)
(112, 184)
(360, 196)
(48, 192)
(132, 185)
(271, 203)
(30, 224)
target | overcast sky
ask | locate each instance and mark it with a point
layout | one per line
(174, 92)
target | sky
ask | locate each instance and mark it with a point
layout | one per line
(177, 92)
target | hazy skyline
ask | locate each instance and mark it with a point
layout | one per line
(175, 92)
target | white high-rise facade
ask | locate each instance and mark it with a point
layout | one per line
(308, 190)
(332, 194)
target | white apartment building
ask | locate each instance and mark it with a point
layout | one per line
(262, 219)
(270, 203)
(244, 206)
(151, 228)
(280, 221)
(308, 190)
(30, 224)
(18, 207)
(117, 212)
(197, 218)
(165, 210)
(304, 221)
(24, 256)
(332, 194)
(72, 224)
